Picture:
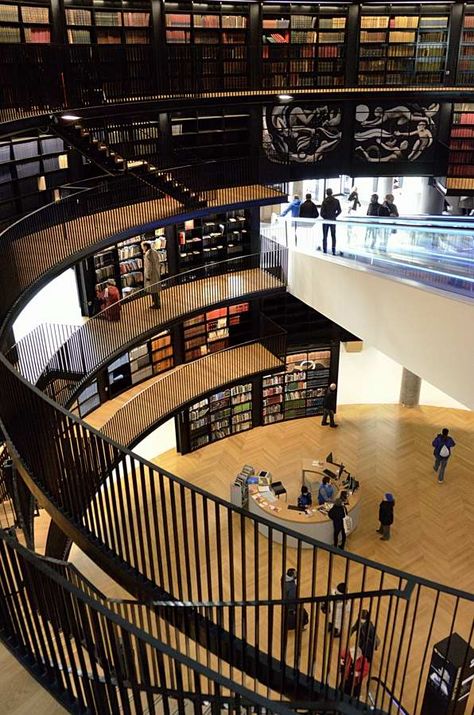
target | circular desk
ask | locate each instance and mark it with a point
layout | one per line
(314, 524)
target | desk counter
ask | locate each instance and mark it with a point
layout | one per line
(314, 524)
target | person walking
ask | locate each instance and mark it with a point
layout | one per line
(152, 273)
(354, 668)
(386, 516)
(353, 200)
(329, 406)
(443, 445)
(290, 611)
(337, 610)
(330, 210)
(293, 207)
(337, 514)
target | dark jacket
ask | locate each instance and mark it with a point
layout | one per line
(391, 208)
(367, 638)
(330, 208)
(438, 442)
(329, 401)
(337, 514)
(288, 589)
(308, 209)
(376, 209)
(386, 512)
(354, 199)
(305, 500)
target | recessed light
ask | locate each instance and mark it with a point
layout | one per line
(70, 117)
(285, 97)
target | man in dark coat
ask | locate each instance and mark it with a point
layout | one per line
(386, 516)
(329, 405)
(308, 208)
(337, 514)
(330, 210)
(368, 641)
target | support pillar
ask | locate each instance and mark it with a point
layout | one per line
(432, 202)
(384, 187)
(410, 389)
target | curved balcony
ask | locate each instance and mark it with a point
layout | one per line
(166, 541)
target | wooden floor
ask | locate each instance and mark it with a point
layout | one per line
(388, 448)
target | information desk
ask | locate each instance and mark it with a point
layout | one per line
(313, 524)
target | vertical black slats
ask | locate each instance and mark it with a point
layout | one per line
(415, 598)
(313, 615)
(299, 618)
(271, 609)
(148, 554)
(132, 531)
(284, 612)
(185, 537)
(118, 664)
(176, 540)
(152, 479)
(196, 532)
(11, 606)
(85, 614)
(207, 545)
(258, 610)
(243, 571)
(166, 532)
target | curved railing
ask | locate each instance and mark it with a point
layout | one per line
(163, 539)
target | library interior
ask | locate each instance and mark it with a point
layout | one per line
(236, 392)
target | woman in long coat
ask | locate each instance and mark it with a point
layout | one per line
(152, 273)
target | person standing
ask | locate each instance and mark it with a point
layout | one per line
(386, 516)
(443, 445)
(374, 208)
(290, 611)
(110, 301)
(152, 273)
(337, 514)
(338, 610)
(329, 405)
(354, 668)
(390, 206)
(330, 210)
(368, 641)
(353, 200)
(308, 208)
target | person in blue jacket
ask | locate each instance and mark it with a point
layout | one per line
(293, 207)
(326, 491)
(443, 445)
(304, 499)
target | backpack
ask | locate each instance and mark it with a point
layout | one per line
(384, 210)
(444, 451)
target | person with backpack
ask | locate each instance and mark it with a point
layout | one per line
(330, 210)
(386, 516)
(443, 445)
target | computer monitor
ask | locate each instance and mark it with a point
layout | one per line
(329, 458)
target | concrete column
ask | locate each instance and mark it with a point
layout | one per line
(384, 187)
(410, 389)
(432, 202)
(297, 189)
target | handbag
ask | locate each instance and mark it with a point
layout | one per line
(347, 524)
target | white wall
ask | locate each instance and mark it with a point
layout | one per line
(428, 332)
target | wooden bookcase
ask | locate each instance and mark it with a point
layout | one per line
(31, 167)
(209, 41)
(299, 391)
(152, 357)
(220, 415)
(465, 71)
(213, 238)
(25, 23)
(461, 149)
(303, 45)
(215, 330)
(403, 44)
(108, 23)
(223, 131)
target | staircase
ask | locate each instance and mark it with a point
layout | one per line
(100, 154)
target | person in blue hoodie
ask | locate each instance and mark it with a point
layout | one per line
(443, 445)
(293, 207)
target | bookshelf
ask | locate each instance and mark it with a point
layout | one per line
(303, 45)
(220, 415)
(210, 37)
(222, 131)
(299, 391)
(88, 400)
(142, 362)
(107, 23)
(21, 23)
(215, 330)
(31, 167)
(400, 44)
(461, 148)
(123, 262)
(162, 352)
(216, 237)
(465, 69)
